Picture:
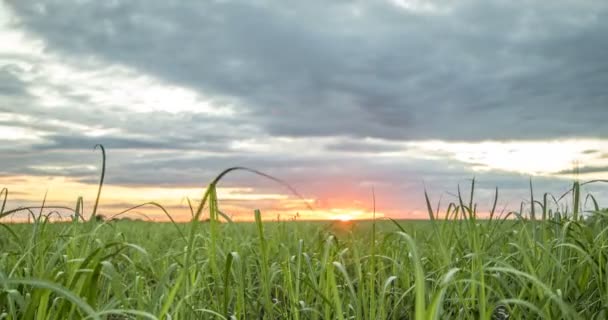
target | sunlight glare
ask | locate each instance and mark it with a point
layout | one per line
(527, 157)
(343, 217)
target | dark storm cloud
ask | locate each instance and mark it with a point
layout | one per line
(477, 70)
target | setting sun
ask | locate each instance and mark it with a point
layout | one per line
(343, 218)
(350, 214)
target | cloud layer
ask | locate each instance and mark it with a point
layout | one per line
(335, 98)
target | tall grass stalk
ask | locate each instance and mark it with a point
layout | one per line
(545, 260)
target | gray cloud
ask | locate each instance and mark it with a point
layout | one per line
(62, 142)
(10, 83)
(364, 147)
(585, 169)
(483, 70)
(344, 71)
(57, 141)
(591, 151)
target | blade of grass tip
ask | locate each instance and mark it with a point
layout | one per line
(532, 206)
(157, 205)
(495, 202)
(44, 284)
(191, 208)
(264, 263)
(575, 203)
(596, 207)
(227, 267)
(545, 205)
(540, 205)
(213, 231)
(349, 282)
(31, 216)
(296, 296)
(333, 286)
(462, 206)
(435, 308)
(474, 238)
(189, 249)
(212, 185)
(239, 275)
(372, 278)
(428, 206)
(261, 174)
(31, 213)
(213, 206)
(385, 292)
(555, 200)
(103, 174)
(225, 216)
(582, 184)
(79, 209)
(318, 293)
(397, 224)
(325, 280)
(419, 279)
(565, 308)
(164, 311)
(283, 183)
(451, 211)
(438, 209)
(433, 222)
(4, 195)
(43, 203)
(194, 223)
(472, 196)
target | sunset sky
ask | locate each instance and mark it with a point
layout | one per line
(337, 98)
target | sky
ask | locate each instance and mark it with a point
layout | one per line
(358, 105)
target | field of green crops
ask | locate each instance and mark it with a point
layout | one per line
(543, 262)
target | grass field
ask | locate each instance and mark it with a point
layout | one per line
(543, 262)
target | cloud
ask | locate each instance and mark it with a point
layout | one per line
(585, 169)
(63, 142)
(10, 84)
(591, 151)
(478, 70)
(333, 97)
(366, 146)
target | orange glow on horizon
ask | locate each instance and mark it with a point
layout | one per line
(238, 203)
(343, 218)
(350, 214)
